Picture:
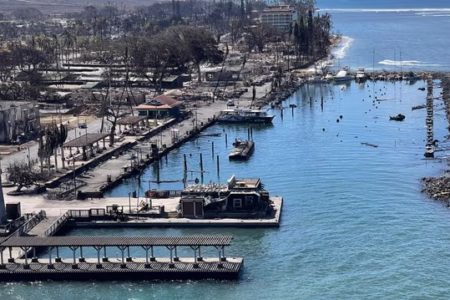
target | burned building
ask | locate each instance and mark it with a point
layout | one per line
(19, 121)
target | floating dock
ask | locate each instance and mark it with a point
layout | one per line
(125, 267)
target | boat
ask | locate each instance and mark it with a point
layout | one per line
(398, 117)
(316, 79)
(329, 77)
(242, 149)
(418, 107)
(238, 199)
(429, 151)
(238, 115)
(361, 75)
(342, 76)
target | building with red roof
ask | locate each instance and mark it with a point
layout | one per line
(160, 107)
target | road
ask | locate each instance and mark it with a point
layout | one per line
(32, 149)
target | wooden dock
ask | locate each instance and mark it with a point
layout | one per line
(161, 269)
(125, 267)
(141, 221)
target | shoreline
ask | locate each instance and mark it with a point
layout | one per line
(438, 187)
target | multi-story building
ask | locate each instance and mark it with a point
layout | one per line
(280, 17)
(19, 121)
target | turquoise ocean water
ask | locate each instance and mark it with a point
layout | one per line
(355, 223)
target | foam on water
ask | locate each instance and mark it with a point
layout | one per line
(407, 63)
(386, 10)
(340, 51)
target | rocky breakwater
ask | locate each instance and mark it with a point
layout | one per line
(438, 188)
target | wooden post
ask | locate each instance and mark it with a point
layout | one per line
(201, 167)
(226, 139)
(218, 165)
(212, 149)
(158, 179)
(184, 164)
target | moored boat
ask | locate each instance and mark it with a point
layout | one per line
(238, 115)
(398, 117)
(361, 75)
(342, 76)
(242, 149)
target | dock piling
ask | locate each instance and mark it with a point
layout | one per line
(218, 165)
(105, 258)
(2, 265)
(201, 167)
(81, 259)
(57, 258)
(10, 259)
(158, 178)
(99, 262)
(50, 262)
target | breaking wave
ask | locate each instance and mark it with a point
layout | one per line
(340, 51)
(406, 63)
(388, 10)
(433, 14)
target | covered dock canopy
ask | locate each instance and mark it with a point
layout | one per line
(86, 140)
(131, 120)
(92, 241)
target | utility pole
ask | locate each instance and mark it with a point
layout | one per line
(2, 200)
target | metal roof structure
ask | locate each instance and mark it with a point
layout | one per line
(86, 140)
(92, 241)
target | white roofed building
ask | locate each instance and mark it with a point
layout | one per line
(280, 17)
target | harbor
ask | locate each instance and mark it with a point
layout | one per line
(399, 144)
(319, 176)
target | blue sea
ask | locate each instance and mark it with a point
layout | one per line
(355, 224)
(391, 35)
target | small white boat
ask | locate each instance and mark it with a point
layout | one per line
(342, 76)
(361, 75)
(329, 77)
(316, 79)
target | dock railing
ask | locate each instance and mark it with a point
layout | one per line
(58, 224)
(33, 220)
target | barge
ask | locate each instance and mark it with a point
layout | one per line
(242, 150)
(238, 199)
